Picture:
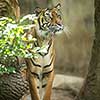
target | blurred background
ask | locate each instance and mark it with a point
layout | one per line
(73, 46)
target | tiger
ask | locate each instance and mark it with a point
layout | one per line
(40, 70)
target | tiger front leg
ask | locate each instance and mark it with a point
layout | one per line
(32, 81)
(47, 95)
(33, 86)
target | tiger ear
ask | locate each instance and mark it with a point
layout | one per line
(58, 6)
(37, 10)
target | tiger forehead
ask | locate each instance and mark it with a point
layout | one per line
(47, 10)
(43, 12)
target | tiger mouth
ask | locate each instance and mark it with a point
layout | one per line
(52, 30)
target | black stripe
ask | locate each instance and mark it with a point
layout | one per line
(35, 63)
(43, 86)
(35, 74)
(40, 26)
(50, 43)
(49, 64)
(47, 73)
(42, 20)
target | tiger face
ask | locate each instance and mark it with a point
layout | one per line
(55, 21)
(50, 19)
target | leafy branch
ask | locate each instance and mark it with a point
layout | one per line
(12, 40)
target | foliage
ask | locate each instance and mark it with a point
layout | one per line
(4, 69)
(12, 40)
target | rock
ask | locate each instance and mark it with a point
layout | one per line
(67, 82)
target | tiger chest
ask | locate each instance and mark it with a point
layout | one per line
(42, 65)
(41, 68)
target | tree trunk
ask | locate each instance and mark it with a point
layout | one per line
(91, 87)
(13, 86)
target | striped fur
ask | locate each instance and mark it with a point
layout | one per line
(40, 71)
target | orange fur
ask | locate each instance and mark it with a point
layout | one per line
(42, 68)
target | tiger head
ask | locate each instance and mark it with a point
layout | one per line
(50, 19)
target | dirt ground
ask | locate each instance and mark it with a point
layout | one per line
(59, 94)
(65, 89)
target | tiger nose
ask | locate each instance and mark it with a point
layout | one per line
(61, 27)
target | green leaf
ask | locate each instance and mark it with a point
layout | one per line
(13, 42)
